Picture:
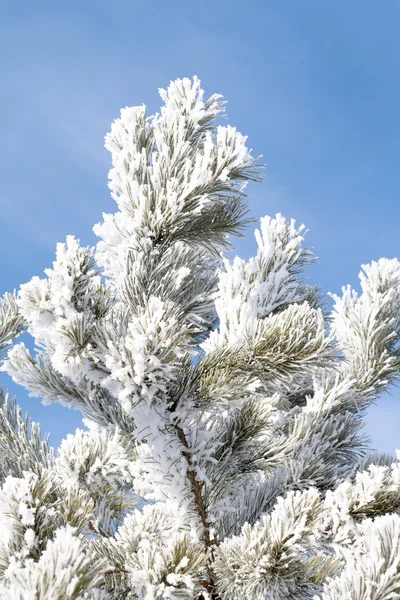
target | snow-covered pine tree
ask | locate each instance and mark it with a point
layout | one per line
(224, 456)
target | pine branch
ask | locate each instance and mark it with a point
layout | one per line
(225, 457)
(22, 447)
(208, 583)
(11, 321)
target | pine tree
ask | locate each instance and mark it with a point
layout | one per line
(224, 455)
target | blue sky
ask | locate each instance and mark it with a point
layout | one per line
(315, 85)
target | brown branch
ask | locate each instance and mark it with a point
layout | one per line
(201, 509)
(198, 498)
(116, 571)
